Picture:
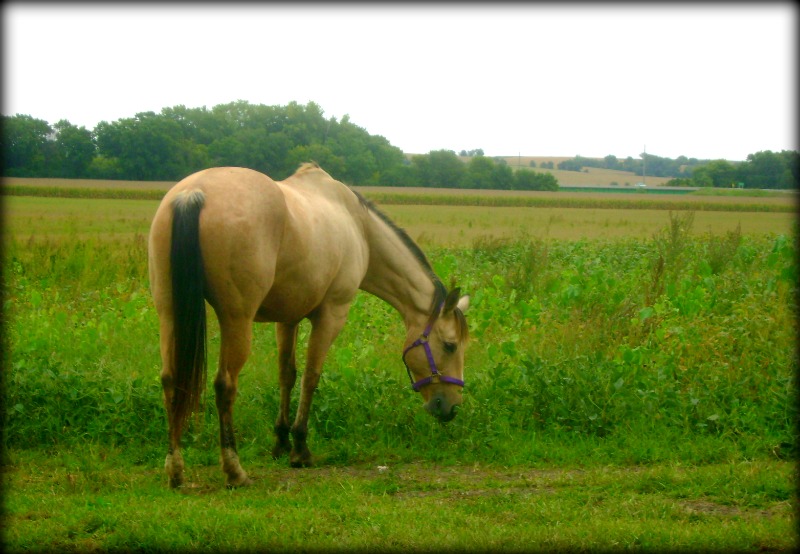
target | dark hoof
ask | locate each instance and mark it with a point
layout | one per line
(246, 482)
(296, 460)
(176, 483)
(281, 450)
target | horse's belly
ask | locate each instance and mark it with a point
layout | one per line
(285, 307)
(294, 299)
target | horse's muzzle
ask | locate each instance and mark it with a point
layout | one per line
(440, 408)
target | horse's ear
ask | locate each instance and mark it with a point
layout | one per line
(455, 300)
(463, 304)
(452, 300)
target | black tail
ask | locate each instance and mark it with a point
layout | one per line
(189, 308)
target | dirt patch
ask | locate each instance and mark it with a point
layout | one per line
(712, 508)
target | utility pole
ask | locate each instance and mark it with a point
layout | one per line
(644, 166)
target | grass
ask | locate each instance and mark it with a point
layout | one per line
(104, 504)
(631, 391)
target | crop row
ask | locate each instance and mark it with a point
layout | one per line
(608, 201)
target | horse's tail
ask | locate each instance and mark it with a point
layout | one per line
(189, 307)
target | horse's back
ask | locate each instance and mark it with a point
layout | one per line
(272, 251)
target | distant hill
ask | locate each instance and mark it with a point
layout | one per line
(589, 176)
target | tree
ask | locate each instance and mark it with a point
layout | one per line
(611, 162)
(400, 176)
(24, 145)
(439, 168)
(75, 150)
(770, 170)
(502, 176)
(149, 147)
(319, 153)
(525, 179)
(701, 177)
(722, 172)
(570, 165)
(479, 173)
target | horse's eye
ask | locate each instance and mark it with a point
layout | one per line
(450, 347)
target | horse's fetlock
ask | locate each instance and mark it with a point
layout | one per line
(173, 465)
(222, 386)
(299, 434)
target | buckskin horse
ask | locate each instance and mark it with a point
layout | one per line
(266, 251)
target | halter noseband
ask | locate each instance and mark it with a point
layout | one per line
(435, 376)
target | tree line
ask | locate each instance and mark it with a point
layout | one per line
(275, 140)
(178, 141)
(761, 170)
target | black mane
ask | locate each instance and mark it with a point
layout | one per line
(441, 290)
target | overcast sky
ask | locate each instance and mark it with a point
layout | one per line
(710, 81)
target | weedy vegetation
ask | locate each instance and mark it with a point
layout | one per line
(628, 392)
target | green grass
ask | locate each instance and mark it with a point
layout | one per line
(637, 392)
(91, 500)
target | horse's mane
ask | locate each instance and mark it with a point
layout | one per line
(441, 292)
(307, 166)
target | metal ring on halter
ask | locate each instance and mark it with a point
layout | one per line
(435, 376)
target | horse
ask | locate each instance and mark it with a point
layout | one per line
(258, 250)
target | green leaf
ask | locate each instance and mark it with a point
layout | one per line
(36, 298)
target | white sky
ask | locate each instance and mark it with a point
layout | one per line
(708, 81)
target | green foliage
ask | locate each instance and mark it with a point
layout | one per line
(276, 139)
(531, 180)
(762, 170)
(653, 165)
(680, 338)
(75, 150)
(440, 168)
(25, 145)
(770, 170)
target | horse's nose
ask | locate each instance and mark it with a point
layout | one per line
(439, 408)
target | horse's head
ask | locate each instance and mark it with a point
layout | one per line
(434, 356)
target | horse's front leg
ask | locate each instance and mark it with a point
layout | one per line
(234, 350)
(287, 339)
(326, 323)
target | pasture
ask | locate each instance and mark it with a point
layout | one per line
(447, 224)
(630, 384)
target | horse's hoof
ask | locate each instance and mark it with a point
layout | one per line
(300, 462)
(280, 451)
(243, 481)
(176, 482)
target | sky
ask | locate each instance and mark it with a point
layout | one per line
(708, 81)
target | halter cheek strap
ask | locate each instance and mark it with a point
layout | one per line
(435, 376)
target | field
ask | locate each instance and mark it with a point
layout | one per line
(630, 385)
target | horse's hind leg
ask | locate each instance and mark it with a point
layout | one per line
(173, 464)
(234, 351)
(287, 339)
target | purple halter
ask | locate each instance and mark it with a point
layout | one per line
(435, 376)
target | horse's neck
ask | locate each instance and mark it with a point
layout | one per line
(395, 274)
